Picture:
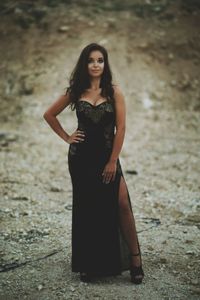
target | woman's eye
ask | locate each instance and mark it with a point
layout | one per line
(99, 61)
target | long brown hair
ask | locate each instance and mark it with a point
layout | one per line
(80, 81)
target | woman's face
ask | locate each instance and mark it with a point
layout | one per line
(95, 63)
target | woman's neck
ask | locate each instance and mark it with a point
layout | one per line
(95, 84)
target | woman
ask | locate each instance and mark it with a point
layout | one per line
(104, 238)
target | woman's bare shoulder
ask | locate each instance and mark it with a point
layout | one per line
(117, 90)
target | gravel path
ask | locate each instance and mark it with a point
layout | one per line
(161, 146)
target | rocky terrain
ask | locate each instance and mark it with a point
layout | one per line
(154, 53)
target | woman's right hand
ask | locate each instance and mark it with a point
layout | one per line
(76, 137)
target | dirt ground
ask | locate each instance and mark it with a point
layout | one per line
(154, 53)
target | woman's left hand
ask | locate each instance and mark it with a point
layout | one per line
(109, 172)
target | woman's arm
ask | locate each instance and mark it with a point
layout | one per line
(120, 109)
(109, 171)
(51, 113)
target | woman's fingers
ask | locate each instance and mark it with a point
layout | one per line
(108, 176)
(78, 136)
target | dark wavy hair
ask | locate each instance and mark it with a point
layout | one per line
(79, 79)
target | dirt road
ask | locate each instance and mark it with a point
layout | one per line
(154, 55)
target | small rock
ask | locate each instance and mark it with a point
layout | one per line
(25, 213)
(111, 22)
(157, 95)
(147, 101)
(14, 214)
(195, 218)
(134, 172)
(8, 137)
(173, 82)
(27, 87)
(163, 260)
(150, 248)
(40, 287)
(55, 189)
(63, 29)
(157, 8)
(143, 45)
(175, 272)
(171, 55)
(72, 289)
(20, 198)
(190, 252)
(18, 11)
(46, 231)
(68, 207)
(188, 241)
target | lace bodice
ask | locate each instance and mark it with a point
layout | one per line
(98, 124)
(95, 113)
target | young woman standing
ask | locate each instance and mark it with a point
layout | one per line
(104, 238)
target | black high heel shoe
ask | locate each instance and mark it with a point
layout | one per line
(136, 272)
(85, 277)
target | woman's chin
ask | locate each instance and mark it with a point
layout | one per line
(96, 75)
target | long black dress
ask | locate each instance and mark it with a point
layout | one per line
(98, 244)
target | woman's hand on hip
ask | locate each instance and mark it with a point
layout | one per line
(76, 137)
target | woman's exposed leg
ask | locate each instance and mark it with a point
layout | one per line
(128, 223)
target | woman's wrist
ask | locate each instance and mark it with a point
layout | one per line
(113, 160)
(66, 138)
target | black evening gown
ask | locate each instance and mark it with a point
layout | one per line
(98, 244)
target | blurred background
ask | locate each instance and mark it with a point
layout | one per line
(154, 54)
